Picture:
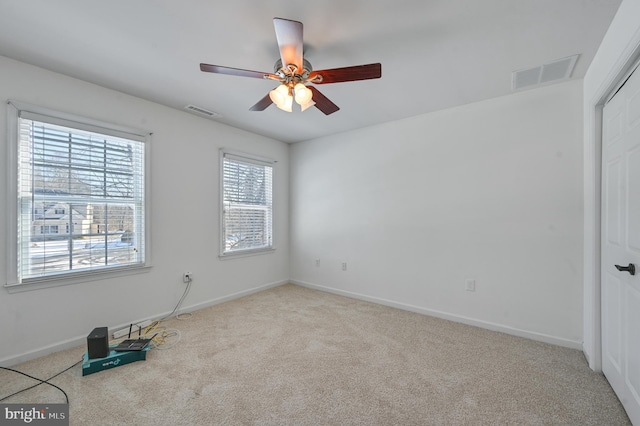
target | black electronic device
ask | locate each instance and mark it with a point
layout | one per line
(98, 343)
(133, 344)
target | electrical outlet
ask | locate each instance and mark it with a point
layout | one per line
(470, 285)
(187, 277)
(317, 262)
(344, 266)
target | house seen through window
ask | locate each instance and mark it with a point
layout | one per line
(80, 198)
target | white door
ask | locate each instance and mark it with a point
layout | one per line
(621, 245)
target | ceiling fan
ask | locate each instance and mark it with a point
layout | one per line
(294, 73)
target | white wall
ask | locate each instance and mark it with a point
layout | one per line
(184, 220)
(490, 191)
(619, 49)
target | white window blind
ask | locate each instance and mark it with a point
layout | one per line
(81, 198)
(247, 205)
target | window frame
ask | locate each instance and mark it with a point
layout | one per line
(249, 158)
(13, 282)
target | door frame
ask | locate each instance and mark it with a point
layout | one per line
(616, 75)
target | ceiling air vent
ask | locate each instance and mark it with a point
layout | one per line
(202, 111)
(550, 72)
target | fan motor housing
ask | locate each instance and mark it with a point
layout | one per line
(307, 68)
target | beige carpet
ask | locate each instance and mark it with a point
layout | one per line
(294, 356)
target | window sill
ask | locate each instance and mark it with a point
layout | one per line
(246, 253)
(75, 278)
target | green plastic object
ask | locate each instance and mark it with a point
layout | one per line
(114, 359)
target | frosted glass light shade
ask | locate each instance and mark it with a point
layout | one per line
(287, 103)
(307, 105)
(279, 94)
(303, 94)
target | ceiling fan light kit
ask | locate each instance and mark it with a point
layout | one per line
(283, 98)
(294, 72)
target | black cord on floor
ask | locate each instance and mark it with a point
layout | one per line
(40, 380)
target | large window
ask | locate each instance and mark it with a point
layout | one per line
(78, 197)
(247, 217)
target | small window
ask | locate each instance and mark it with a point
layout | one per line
(78, 188)
(48, 229)
(247, 205)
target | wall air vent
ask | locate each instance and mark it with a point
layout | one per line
(550, 72)
(202, 111)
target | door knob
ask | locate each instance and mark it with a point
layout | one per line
(630, 269)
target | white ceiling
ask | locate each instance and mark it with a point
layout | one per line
(435, 54)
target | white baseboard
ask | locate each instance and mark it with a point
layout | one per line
(233, 296)
(82, 340)
(45, 350)
(532, 335)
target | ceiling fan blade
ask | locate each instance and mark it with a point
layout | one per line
(340, 75)
(289, 36)
(262, 104)
(322, 102)
(233, 71)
